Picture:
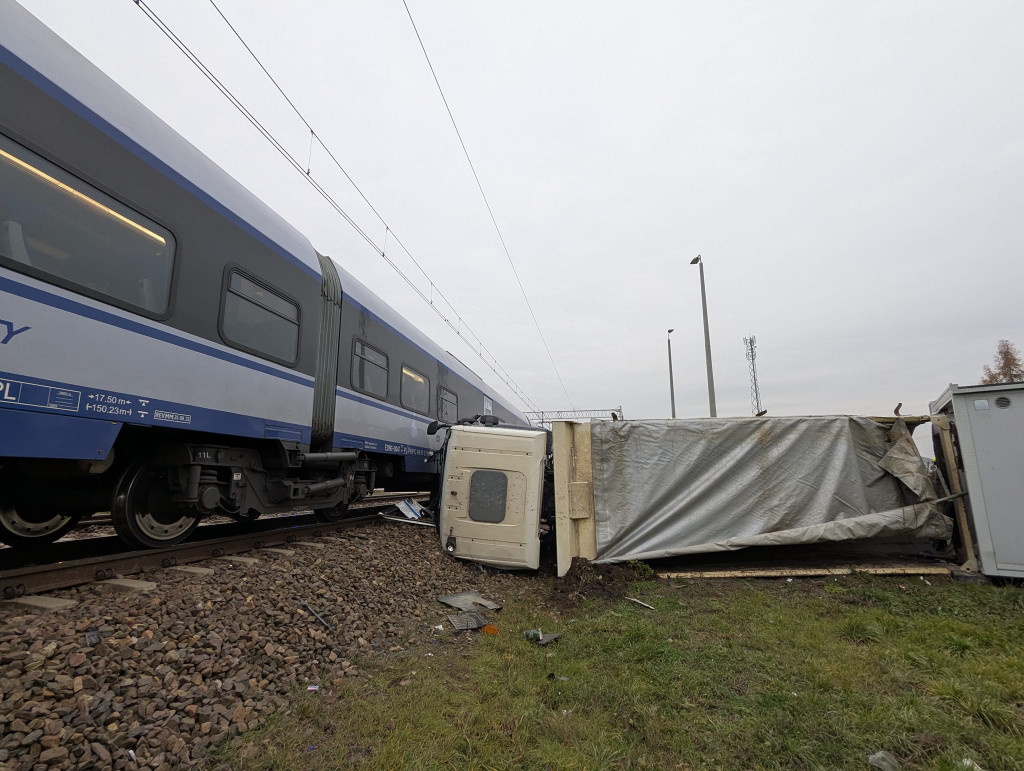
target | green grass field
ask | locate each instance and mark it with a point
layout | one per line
(722, 674)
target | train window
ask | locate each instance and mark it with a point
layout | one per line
(488, 496)
(447, 405)
(369, 370)
(258, 319)
(415, 390)
(55, 225)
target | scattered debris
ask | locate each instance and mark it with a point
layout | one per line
(537, 636)
(467, 620)
(468, 601)
(92, 637)
(884, 760)
(970, 765)
(489, 629)
(553, 676)
(318, 616)
(925, 580)
(789, 580)
(566, 712)
(634, 599)
(410, 512)
(313, 688)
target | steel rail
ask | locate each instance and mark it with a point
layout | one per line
(370, 501)
(32, 579)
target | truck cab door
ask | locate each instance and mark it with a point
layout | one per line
(492, 485)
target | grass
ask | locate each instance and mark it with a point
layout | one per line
(808, 674)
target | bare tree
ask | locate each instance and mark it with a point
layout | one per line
(1008, 367)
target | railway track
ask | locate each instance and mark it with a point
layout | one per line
(82, 561)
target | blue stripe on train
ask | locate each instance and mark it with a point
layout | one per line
(25, 434)
(166, 336)
(384, 406)
(53, 405)
(46, 419)
(157, 333)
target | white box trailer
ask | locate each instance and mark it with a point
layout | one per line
(989, 433)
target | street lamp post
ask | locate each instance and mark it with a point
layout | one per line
(707, 337)
(671, 383)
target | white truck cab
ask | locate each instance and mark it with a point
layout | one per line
(492, 492)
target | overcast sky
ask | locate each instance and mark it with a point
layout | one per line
(852, 173)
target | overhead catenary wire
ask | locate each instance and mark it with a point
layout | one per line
(487, 203)
(459, 326)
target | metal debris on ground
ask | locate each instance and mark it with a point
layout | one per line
(312, 688)
(411, 513)
(468, 601)
(319, 618)
(467, 620)
(638, 602)
(537, 636)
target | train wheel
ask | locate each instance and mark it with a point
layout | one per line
(333, 514)
(142, 513)
(26, 526)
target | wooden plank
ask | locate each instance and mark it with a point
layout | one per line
(953, 475)
(846, 570)
(581, 500)
(575, 533)
(583, 471)
(564, 531)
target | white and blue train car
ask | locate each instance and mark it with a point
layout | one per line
(170, 348)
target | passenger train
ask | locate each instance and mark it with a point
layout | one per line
(170, 348)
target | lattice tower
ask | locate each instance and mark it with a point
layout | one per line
(755, 392)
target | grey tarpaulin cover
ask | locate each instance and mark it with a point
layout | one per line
(669, 487)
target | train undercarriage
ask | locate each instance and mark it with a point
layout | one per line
(162, 490)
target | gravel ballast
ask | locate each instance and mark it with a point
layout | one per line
(203, 658)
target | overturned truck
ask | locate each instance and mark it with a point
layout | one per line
(626, 490)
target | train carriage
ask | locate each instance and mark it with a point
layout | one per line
(170, 348)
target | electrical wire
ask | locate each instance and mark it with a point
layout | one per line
(473, 340)
(487, 203)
